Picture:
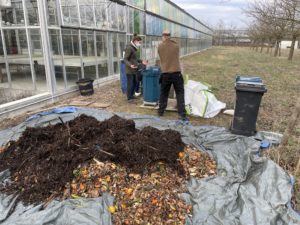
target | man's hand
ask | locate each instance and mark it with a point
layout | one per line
(133, 67)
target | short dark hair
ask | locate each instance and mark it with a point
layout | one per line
(136, 37)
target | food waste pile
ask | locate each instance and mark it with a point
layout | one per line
(145, 170)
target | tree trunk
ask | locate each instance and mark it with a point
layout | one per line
(253, 45)
(292, 47)
(271, 52)
(269, 46)
(262, 46)
(276, 49)
(279, 49)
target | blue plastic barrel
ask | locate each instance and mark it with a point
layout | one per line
(151, 87)
(123, 77)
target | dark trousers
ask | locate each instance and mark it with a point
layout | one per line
(167, 79)
(139, 80)
(131, 85)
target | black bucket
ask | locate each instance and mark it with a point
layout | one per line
(85, 86)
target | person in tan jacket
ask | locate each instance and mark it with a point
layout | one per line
(168, 52)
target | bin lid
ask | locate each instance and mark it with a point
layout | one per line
(151, 71)
(85, 80)
(240, 78)
(251, 87)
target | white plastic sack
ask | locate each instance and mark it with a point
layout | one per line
(200, 101)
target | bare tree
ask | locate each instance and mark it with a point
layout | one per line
(232, 34)
(268, 14)
(291, 9)
(260, 36)
(253, 33)
(279, 19)
(219, 33)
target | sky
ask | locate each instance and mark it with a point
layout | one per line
(211, 12)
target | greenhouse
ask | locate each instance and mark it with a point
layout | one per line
(46, 46)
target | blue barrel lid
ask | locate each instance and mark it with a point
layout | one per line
(151, 71)
(251, 84)
(240, 78)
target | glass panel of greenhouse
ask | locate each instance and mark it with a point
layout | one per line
(46, 46)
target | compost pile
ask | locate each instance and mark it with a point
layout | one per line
(144, 169)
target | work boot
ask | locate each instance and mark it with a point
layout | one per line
(160, 114)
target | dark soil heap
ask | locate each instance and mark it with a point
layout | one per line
(42, 161)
